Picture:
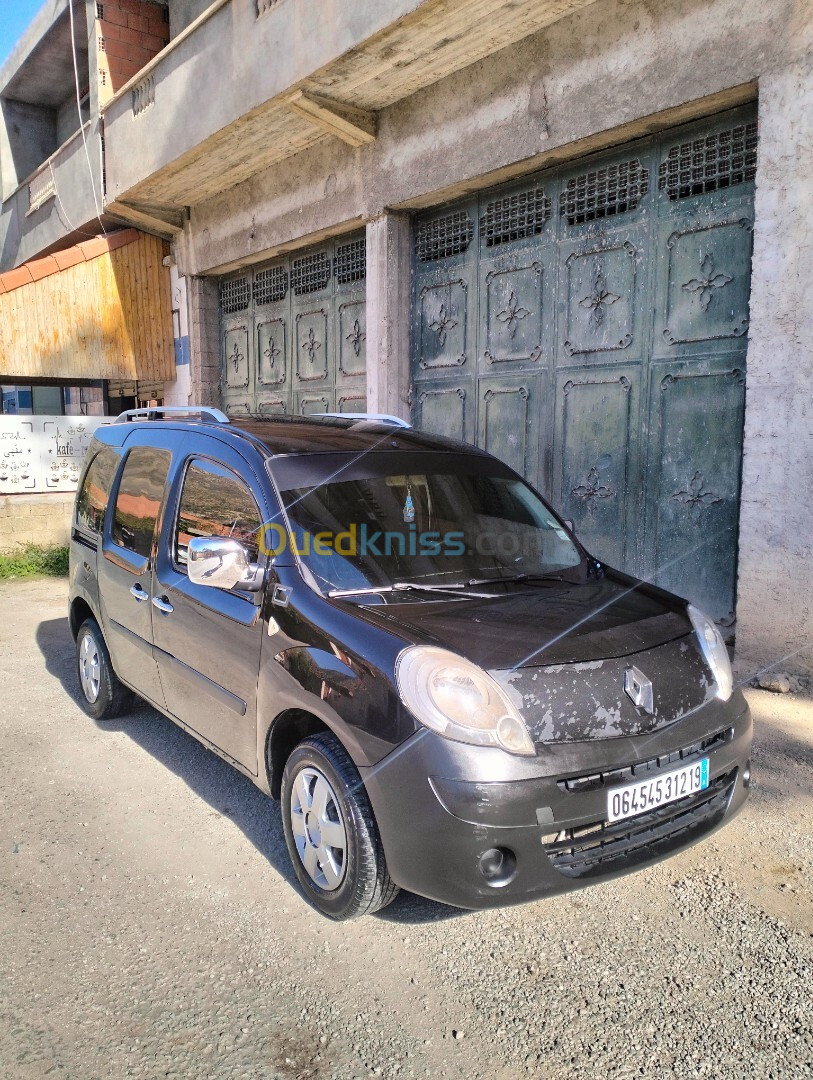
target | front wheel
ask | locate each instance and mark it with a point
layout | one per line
(331, 833)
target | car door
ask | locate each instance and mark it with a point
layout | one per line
(208, 639)
(125, 566)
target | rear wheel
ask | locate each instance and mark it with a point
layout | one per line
(102, 695)
(331, 833)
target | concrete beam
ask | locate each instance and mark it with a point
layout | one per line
(356, 127)
(166, 225)
(389, 291)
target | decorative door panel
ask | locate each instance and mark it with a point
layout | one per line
(444, 330)
(516, 295)
(349, 273)
(352, 340)
(349, 400)
(445, 408)
(601, 283)
(704, 283)
(509, 412)
(311, 403)
(272, 352)
(237, 352)
(272, 405)
(445, 322)
(294, 330)
(596, 460)
(272, 327)
(696, 418)
(312, 346)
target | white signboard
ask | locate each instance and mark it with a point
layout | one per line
(44, 453)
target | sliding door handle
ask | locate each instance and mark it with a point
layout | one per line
(163, 605)
(138, 593)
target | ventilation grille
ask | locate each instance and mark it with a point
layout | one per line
(601, 848)
(443, 237)
(350, 263)
(615, 189)
(702, 165)
(235, 295)
(310, 273)
(270, 285)
(515, 217)
(627, 773)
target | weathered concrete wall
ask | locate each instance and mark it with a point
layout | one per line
(775, 609)
(35, 519)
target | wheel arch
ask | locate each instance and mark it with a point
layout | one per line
(79, 610)
(284, 734)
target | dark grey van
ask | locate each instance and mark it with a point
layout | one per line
(399, 639)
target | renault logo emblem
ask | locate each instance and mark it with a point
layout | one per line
(638, 689)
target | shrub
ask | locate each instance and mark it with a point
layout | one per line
(34, 560)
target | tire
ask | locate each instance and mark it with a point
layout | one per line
(101, 694)
(324, 805)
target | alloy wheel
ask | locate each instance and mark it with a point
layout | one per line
(89, 668)
(318, 828)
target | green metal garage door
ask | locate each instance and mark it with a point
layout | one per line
(589, 326)
(294, 333)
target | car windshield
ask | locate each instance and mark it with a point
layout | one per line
(425, 529)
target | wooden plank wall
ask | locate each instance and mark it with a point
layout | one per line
(106, 318)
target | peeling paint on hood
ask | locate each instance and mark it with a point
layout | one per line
(583, 702)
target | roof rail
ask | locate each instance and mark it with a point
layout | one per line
(378, 418)
(172, 412)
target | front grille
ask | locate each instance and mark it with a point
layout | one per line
(600, 849)
(642, 769)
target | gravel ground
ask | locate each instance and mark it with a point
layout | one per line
(149, 926)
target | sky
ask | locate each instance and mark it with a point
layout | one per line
(15, 15)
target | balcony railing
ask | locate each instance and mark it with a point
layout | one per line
(41, 188)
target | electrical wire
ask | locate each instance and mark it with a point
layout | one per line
(81, 125)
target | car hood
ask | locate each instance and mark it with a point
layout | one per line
(535, 626)
(562, 653)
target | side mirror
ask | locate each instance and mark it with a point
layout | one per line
(221, 563)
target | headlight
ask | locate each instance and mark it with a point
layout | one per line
(714, 650)
(459, 700)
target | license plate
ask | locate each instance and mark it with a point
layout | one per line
(625, 802)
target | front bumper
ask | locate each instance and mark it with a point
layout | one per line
(440, 805)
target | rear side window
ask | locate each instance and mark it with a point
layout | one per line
(139, 498)
(214, 502)
(92, 501)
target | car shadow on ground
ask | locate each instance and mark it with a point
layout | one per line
(225, 789)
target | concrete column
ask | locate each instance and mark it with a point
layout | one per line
(204, 341)
(775, 604)
(389, 272)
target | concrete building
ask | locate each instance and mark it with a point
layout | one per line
(577, 232)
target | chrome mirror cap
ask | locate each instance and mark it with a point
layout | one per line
(221, 563)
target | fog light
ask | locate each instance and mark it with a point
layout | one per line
(498, 866)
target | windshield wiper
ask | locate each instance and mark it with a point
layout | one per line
(408, 586)
(513, 579)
